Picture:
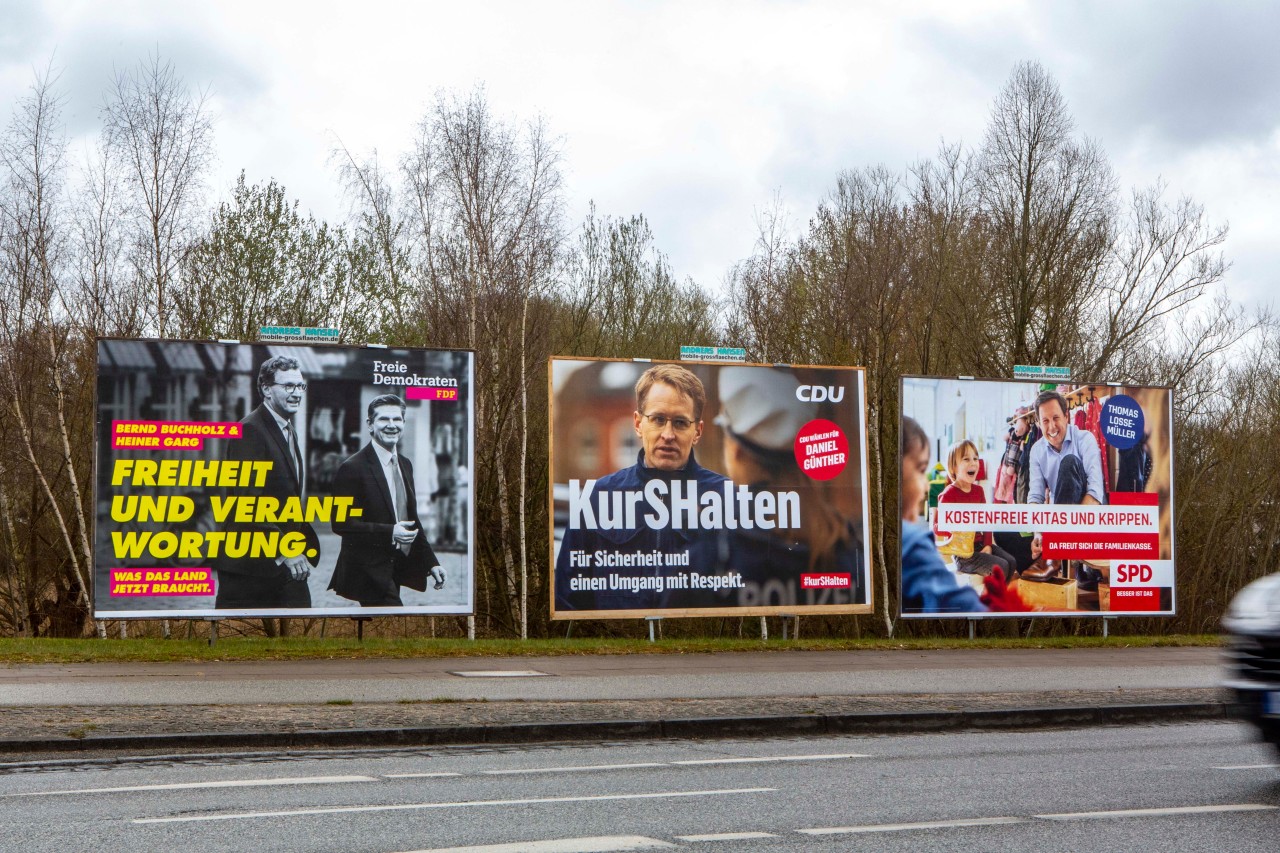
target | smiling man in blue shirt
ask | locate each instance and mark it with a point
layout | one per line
(1066, 466)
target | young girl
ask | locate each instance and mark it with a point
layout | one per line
(981, 555)
(927, 586)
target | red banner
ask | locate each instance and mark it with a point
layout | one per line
(1100, 546)
(1139, 598)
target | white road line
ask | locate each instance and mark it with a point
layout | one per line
(1234, 807)
(232, 783)
(768, 758)
(1248, 767)
(418, 775)
(454, 805)
(726, 836)
(587, 768)
(500, 673)
(583, 768)
(903, 827)
(599, 844)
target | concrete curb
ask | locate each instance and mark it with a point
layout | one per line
(877, 723)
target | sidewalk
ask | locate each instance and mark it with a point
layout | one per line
(423, 701)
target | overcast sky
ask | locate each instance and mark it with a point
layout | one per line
(696, 113)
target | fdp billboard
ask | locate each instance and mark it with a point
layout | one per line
(282, 480)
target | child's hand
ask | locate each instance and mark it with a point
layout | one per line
(1036, 547)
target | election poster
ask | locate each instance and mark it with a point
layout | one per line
(707, 489)
(1025, 497)
(278, 479)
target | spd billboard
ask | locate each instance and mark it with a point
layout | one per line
(1063, 491)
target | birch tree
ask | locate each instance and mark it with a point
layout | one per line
(161, 137)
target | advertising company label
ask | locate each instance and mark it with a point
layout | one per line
(309, 334)
(723, 354)
(1040, 371)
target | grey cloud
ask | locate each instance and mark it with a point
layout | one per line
(24, 25)
(1189, 74)
(94, 58)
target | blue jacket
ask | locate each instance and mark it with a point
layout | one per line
(699, 543)
(927, 586)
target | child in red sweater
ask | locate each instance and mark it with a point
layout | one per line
(983, 555)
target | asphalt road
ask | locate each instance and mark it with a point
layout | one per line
(840, 673)
(1190, 787)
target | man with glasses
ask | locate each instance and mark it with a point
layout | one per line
(271, 434)
(668, 421)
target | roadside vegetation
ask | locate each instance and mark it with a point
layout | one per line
(53, 650)
(465, 243)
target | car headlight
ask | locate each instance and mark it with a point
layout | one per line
(1259, 600)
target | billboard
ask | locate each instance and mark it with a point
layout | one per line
(241, 479)
(700, 489)
(1065, 492)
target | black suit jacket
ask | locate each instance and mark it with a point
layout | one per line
(371, 569)
(250, 582)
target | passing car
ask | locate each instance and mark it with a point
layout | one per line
(1252, 624)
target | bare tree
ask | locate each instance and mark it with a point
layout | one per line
(470, 247)
(32, 247)
(1049, 199)
(622, 298)
(162, 137)
(104, 300)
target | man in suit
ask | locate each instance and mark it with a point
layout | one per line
(383, 547)
(270, 435)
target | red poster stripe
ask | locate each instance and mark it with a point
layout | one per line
(1139, 598)
(1133, 499)
(1100, 546)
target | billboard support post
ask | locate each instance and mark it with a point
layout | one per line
(651, 620)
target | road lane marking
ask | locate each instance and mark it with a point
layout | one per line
(417, 775)
(1157, 812)
(396, 807)
(599, 844)
(588, 768)
(500, 673)
(904, 827)
(231, 783)
(1248, 767)
(583, 768)
(726, 836)
(768, 758)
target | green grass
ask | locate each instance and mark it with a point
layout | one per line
(310, 648)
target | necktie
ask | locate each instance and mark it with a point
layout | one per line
(294, 453)
(398, 497)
